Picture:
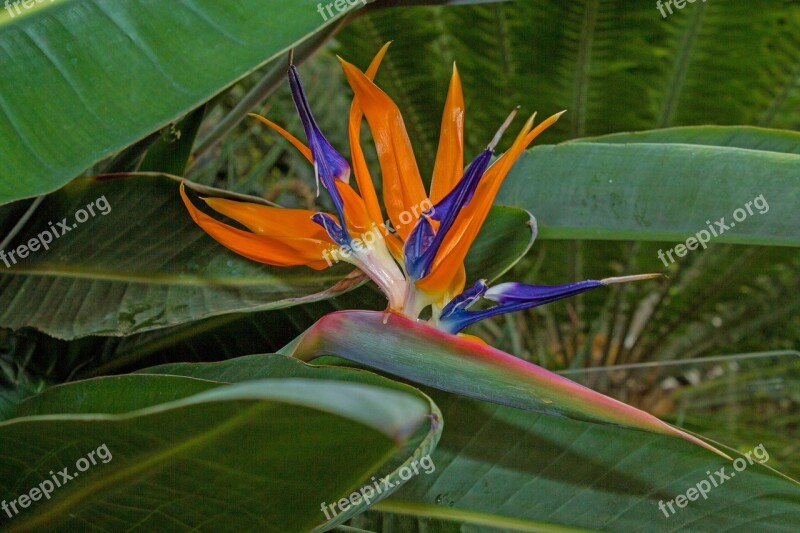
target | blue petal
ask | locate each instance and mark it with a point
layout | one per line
(513, 297)
(419, 240)
(329, 164)
(446, 212)
(463, 301)
(462, 193)
(508, 293)
(447, 209)
(333, 229)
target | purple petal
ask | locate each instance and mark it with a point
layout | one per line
(329, 164)
(332, 228)
(463, 301)
(513, 292)
(419, 266)
(419, 240)
(518, 296)
(515, 297)
(462, 193)
(447, 209)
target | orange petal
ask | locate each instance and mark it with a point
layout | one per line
(278, 250)
(457, 283)
(355, 212)
(270, 221)
(473, 338)
(449, 166)
(360, 169)
(402, 185)
(305, 150)
(460, 237)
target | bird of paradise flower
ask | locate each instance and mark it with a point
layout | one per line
(420, 265)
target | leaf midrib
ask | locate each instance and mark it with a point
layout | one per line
(428, 511)
(164, 279)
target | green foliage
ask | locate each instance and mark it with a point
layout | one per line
(556, 475)
(618, 66)
(229, 435)
(129, 69)
(671, 122)
(111, 275)
(634, 190)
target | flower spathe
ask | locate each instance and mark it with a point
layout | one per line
(419, 263)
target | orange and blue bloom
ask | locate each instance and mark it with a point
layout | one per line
(417, 265)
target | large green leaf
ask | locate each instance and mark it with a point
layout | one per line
(420, 353)
(258, 366)
(501, 469)
(254, 446)
(762, 139)
(141, 266)
(658, 191)
(117, 71)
